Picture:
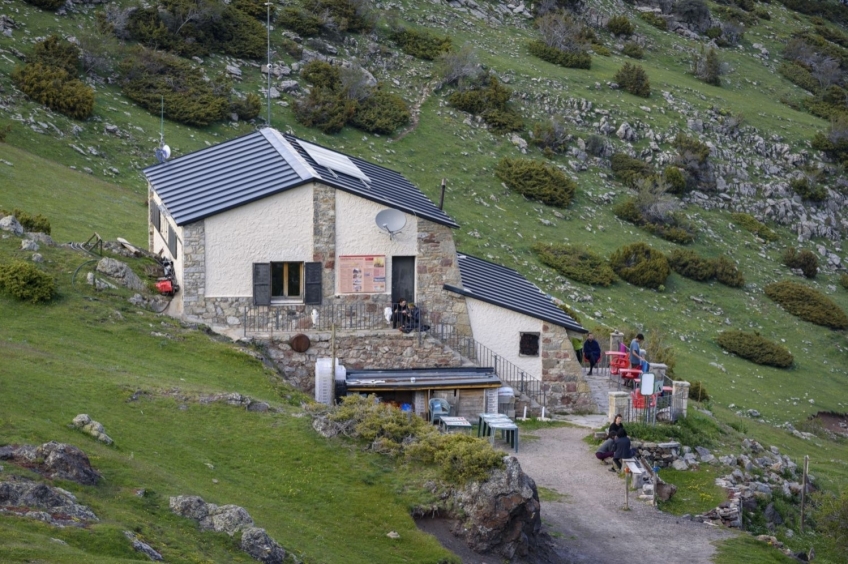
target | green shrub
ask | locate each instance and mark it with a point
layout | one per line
(620, 25)
(551, 136)
(707, 67)
(300, 21)
(571, 60)
(714, 32)
(537, 181)
(56, 89)
(322, 74)
(633, 79)
(628, 211)
(33, 223)
(691, 265)
(422, 44)
(325, 109)
(655, 20)
(189, 96)
(753, 347)
(51, 5)
(628, 170)
(633, 50)
(698, 392)
(355, 16)
(749, 223)
(808, 304)
(831, 516)
(4, 130)
(727, 273)
(25, 282)
(843, 280)
(596, 145)
(382, 112)
(248, 108)
(640, 265)
(675, 179)
(577, 263)
(804, 260)
(808, 190)
(256, 9)
(691, 148)
(601, 50)
(58, 53)
(671, 231)
(834, 143)
(488, 98)
(762, 13)
(731, 14)
(459, 457)
(798, 75)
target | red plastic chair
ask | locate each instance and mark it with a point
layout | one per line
(641, 402)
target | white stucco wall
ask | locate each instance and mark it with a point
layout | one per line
(500, 329)
(160, 247)
(358, 234)
(275, 229)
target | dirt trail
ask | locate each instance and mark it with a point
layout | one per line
(590, 523)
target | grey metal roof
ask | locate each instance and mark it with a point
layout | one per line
(506, 288)
(423, 378)
(386, 186)
(255, 166)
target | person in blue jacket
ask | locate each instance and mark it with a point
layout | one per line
(591, 351)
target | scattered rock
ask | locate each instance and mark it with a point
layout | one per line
(121, 272)
(256, 542)
(29, 245)
(46, 503)
(42, 238)
(10, 223)
(93, 428)
(143, 547)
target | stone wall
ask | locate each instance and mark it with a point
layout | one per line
(437, 266)
(324, 235)
(562, 376)
(359, 351)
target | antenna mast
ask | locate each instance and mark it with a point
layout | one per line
(162, 121)
(268, 90)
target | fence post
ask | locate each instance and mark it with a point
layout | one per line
(522, 382)
(497, 372)
(679, 397)
(618, 405)
(616, 338)
(804, 490)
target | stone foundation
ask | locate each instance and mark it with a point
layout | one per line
(360, 351)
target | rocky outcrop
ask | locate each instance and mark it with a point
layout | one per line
(230, 519)
(58, 461)
(11, 224)
(143, 547)
(501, 515)
(85, 423)
(46, 503)
(120, 272)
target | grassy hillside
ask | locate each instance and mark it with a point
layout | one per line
(496, 224)
(142, 376)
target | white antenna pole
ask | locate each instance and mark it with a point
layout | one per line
(268, 91)
(162, 121)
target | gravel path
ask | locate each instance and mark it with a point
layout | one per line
(590, 523)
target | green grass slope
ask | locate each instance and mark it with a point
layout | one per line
(91, 353)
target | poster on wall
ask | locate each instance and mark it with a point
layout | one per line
(362, 274)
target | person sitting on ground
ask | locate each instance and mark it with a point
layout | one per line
(622, 450)
(400, 311)
(591, 351)
(606, 449)
(413, 320)
(637, 355)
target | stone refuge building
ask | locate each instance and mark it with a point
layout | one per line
(272, 236)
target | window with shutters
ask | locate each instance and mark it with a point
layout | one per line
(286, 280)
(529, 344)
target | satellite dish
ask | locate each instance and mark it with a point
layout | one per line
(163, 153)
(391, 221)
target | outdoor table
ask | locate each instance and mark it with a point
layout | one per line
(509, 432)
(486, 418)
(630, 373)
(454, 423)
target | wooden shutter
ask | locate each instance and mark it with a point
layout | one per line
(314, 292)
(172, 241)
(154, 214)
(261, 283)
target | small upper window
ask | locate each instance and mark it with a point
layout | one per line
(286, 280)
(529, 344)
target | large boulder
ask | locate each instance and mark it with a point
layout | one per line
(500, 515)
(256, 542)
(67, 462)
(121, 272)
(45, 503)
(10, 223)
(92, 427)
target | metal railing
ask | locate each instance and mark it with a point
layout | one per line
(291, 318)
(481, 355)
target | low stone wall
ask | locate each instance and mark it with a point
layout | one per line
(364, 350)
(658, 454)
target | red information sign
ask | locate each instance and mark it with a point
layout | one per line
(364, 274)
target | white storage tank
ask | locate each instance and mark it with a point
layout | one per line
(325, 378)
